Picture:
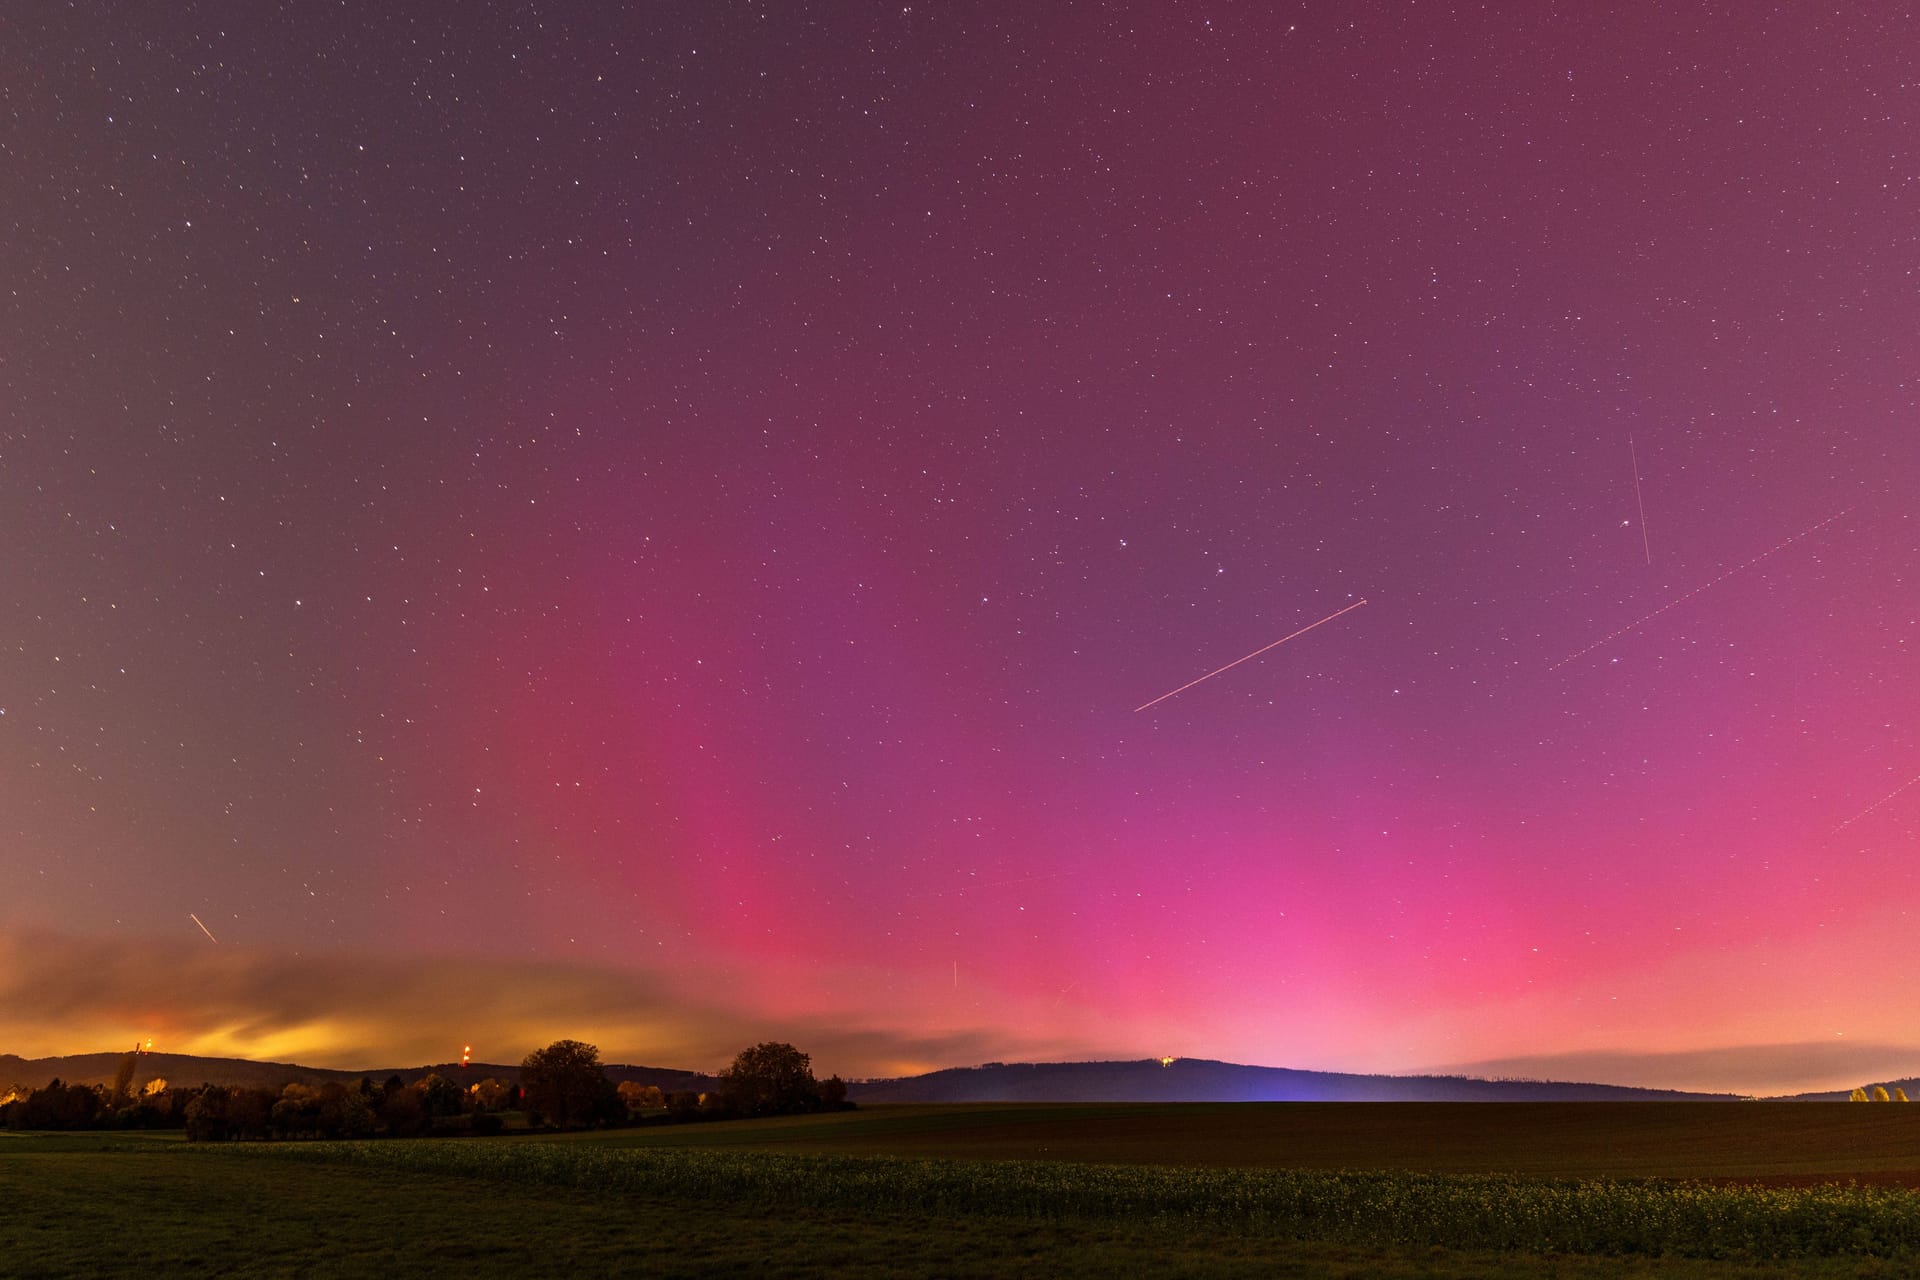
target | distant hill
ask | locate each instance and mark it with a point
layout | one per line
(1910, 1084)
(1202, 1080)
(184, 1070)
(1182, 1080)
(175, 1068)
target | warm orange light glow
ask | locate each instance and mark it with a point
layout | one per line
(1167, 1062)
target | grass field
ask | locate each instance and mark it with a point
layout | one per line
(1189, 1190)
(1781, 1142)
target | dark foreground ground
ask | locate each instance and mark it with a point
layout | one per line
(1781, 1143)
(100, 1205)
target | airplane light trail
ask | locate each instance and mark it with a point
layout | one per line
(1256, 653)
(1616, 634)
(1645, 542)
(203, 928)
(1876, 804)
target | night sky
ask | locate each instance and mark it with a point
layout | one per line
(651, 523)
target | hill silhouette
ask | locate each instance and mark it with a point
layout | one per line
(1911, 1084)
(1203, 1080)
(186, 1071)
(1145, 1080)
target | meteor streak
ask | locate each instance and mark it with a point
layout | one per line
(1713, 582)
(1256, 653)
(1645, 542)
(203, 928)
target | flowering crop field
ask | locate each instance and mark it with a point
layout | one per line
(135, 1206)
(1453, 1211)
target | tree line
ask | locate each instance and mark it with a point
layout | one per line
(562, 1086)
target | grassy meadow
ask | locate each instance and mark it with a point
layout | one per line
(1440, 1190)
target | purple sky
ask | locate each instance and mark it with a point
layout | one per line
(650, 524)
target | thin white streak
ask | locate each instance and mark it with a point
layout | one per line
(1617, 633)
(1256, 653)
(1645, 542)
(1876, 804)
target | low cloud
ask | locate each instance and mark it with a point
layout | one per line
(1762, 1069)
(62, 994)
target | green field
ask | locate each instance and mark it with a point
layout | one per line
(1460, 1190)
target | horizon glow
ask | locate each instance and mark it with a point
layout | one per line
(654, 527)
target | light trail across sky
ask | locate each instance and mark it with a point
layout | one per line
(1256, 653)
(1876, 804)
(1646, 543)
(1711, 582)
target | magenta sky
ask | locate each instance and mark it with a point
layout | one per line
(652, 526)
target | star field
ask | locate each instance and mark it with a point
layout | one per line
(653, 525)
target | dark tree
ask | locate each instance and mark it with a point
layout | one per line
(207, 1115)
(608, 1108)
(296, 1114)
(490, 1095)
(770, 1079)
(58, 1106)
(123, 1079)
(250, 1112)
(342, 1112)
(404, 1113)
(443, 1097)
(148, 1111)
(563, 1082)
